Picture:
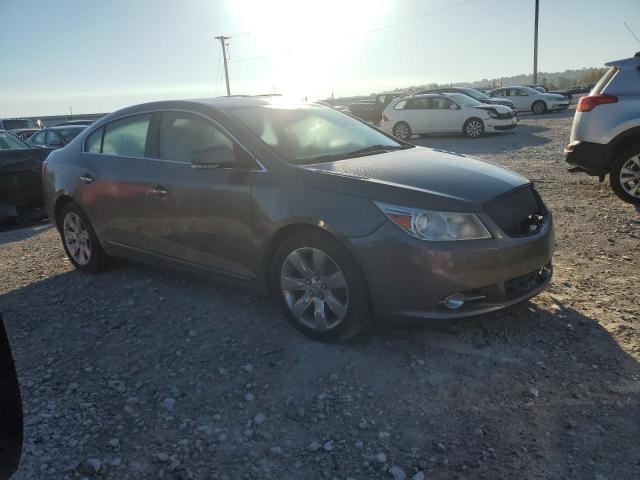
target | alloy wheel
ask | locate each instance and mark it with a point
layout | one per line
(314, 288)
(630, 176)
(401, 131)
(474, 128)
(76, 238)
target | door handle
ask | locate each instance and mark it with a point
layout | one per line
(86, 178)
(159, 191)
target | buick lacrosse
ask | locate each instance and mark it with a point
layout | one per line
(342, 222)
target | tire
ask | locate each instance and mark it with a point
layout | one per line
(402, 130)
(89, 257)
(304, 268)
(624, 175)
(473, 128)
(539, 107)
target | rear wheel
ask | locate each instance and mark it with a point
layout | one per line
(320, 287)
(473, 128)
(539, 107)
(402, 130)
(624, 176)
(80, 241)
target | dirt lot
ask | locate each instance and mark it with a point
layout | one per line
(140, 374)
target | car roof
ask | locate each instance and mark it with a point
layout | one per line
(629, 62)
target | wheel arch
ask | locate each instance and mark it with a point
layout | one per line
(624, 141)
(289, 229)
(60, 202)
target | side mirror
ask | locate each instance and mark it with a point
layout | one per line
(213, 156)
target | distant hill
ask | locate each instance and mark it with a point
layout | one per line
(551, 80)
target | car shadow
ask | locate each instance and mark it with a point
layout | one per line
(525, 135)
(540, 387)
(18, 233)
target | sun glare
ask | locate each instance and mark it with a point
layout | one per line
(311, 44)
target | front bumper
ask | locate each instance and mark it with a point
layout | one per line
(560, 105)
(501, 125)
(591, 158)
(410, 278)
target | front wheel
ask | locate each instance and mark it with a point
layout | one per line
(539, 107)
(624, 175)
(320, 287)
(402, 130)
(80, 240)
(473, 128)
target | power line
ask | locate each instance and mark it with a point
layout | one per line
(366, 32)
(631, 32)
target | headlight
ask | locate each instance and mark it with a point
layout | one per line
(436, 226)
(492, 114)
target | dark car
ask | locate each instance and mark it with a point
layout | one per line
(20, 178)
(11, 408)
(340, 220)
(23, 128)
(55, 137)
(541, 88)
(475, 94)
(371, 110)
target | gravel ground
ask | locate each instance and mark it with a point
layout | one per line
(139, 373)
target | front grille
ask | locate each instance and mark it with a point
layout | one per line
(519, 212)
(24, 135)
(505, 116)
(520, 286)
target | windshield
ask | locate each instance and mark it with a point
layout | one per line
(304, 134)
(11, 142)
(70, 133)
(18, 123)
(530, 90)
(463, 99)
(477, 94)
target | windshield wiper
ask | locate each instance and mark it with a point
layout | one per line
(371, 149)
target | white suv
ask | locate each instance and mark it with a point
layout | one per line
(605, 137)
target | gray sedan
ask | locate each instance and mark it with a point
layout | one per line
(342, 222)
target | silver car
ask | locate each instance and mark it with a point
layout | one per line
(341, 221)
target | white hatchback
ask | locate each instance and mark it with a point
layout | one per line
(445, 113)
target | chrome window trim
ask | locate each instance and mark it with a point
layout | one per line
(216, 124)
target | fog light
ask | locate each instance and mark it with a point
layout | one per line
(454, 301)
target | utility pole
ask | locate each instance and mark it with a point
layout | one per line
(535, 46)
(222, 39)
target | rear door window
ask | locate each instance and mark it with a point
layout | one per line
(126, 137)
(182, 134)
(93, 143)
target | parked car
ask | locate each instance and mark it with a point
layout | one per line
(339, 219)
(473, 93)
(55, 137)
(23, 128)
(578, 89)
(541, 88)
(605, 137)
(528, 99)
(445, 113)
(20, 179)
(68, 123)
(371, 110)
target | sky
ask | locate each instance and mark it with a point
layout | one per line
(99, 56)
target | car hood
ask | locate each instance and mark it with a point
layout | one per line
(554, 96)
(495, 107)
(420, 177)
(499, 101)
